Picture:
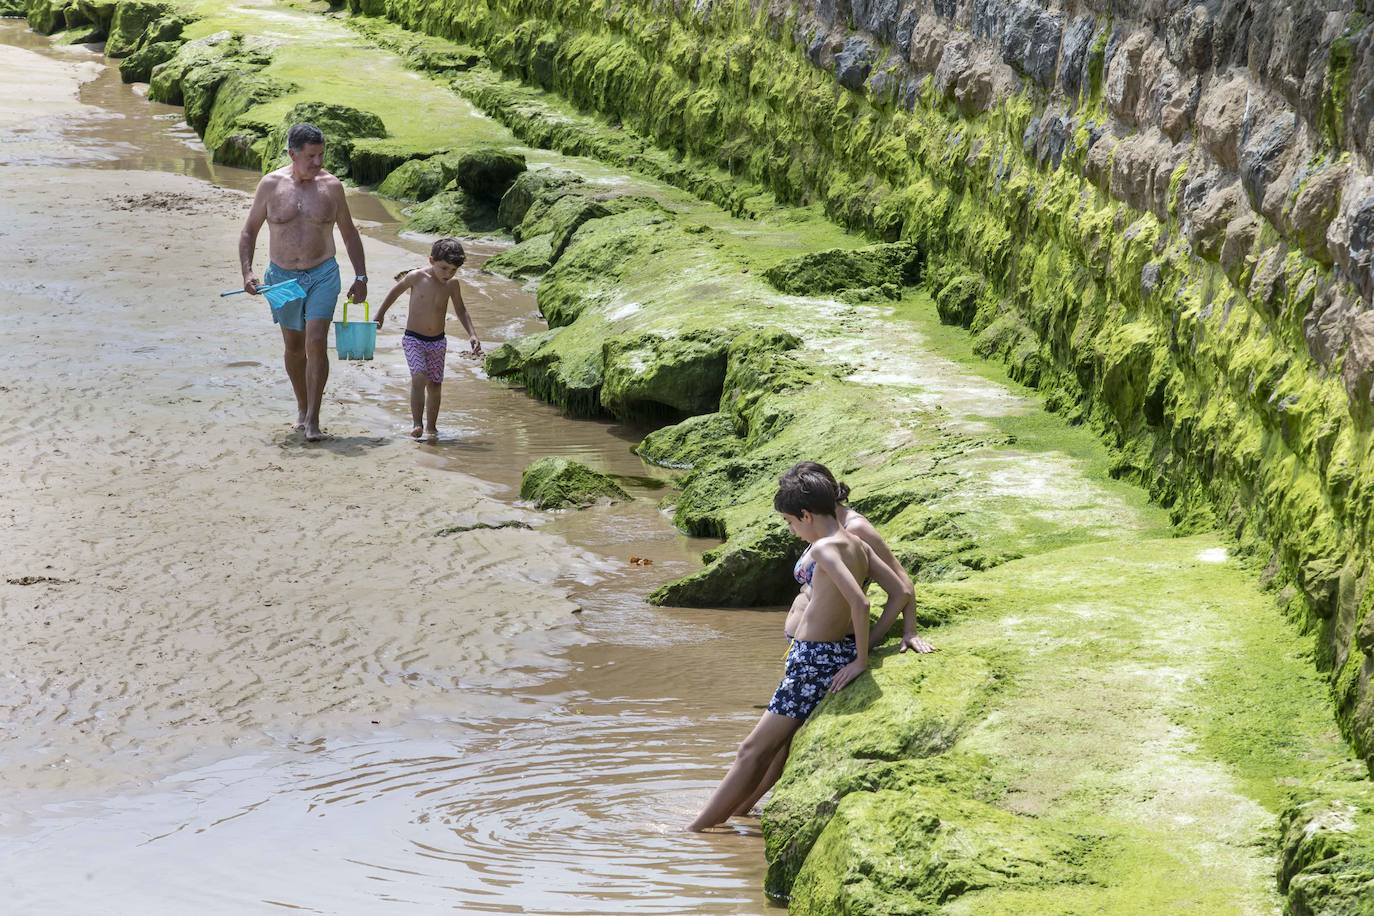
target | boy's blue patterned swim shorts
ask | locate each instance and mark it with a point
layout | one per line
(806, 678)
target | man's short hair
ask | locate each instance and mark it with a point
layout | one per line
(805, 491)
(302, 135)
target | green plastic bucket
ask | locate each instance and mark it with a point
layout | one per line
(355, 339)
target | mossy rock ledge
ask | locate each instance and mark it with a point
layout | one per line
(561, 483)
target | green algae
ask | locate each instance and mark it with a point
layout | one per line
(561, 483)
(1045, 344)
(1126, 676)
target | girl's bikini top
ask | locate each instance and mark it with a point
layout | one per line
(804, 571)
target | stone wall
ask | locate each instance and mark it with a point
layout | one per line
(1160, 214)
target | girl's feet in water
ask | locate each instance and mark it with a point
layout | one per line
(417, 432)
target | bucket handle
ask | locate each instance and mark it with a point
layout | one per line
(367, 311)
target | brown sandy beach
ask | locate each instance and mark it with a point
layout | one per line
(246, 672)
(182, 571)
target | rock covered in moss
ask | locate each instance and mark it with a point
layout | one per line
(529, 258)
(419, 179)
(452, 212)
(561, 483)
(131, 23)
(825, 272)
(229, 135)
(341, 126)
(1327, 848)
(138, 66)
(886, 853)
(652, 375)
(527, 188)
(696, 440)
(487, 174)
(913, 708)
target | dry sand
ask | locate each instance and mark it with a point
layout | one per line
(181, 575)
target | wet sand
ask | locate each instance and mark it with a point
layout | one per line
(246, 672)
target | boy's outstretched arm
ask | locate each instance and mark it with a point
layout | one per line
(460, 311)
(828, 560)
(401, 285)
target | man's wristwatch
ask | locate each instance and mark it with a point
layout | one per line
(360, 278)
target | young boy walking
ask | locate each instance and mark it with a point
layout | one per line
(425, 345)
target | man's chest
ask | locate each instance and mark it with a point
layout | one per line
(308, 203)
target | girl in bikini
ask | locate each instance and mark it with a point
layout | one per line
(832, 638)
(861, 528)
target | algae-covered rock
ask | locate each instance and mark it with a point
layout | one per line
(696, 440)
(886, 853)
(561, 483)
(529, 186)
(341, 126)
(13, 9)
(131, 22)
(824, 272)
(374, 158)
(654, 376)
(418, 179)
(906, 707)
(1327, 848)
(138, 66)
(527, 259)
(487, 174)
(166, 82)
(452, 213)
(752, 569)
(49, 16)
(232, 138)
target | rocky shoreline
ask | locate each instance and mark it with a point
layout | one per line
(1157, 223)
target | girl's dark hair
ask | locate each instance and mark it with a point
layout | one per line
(815, 467)
(805, 491)
(450, 250)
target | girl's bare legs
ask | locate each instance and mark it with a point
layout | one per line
(432, 390)
(417, 404)
(769, 778)
(756, 755)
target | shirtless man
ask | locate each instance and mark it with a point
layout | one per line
(301, 204)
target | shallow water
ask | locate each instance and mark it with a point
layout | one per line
(551, 795)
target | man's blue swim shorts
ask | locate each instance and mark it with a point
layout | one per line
(321, 284)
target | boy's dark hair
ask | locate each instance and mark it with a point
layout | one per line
(805, 491)
(841, 489)
(450, 251)
(302, 135)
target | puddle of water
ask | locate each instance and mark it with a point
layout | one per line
(564, 798)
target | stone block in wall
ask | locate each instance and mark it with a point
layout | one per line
(1222, 121)
(1358, 372)
(1350, 236)
(1073, 55)
(1125, 76)
(1316, 200)
(1326, 326)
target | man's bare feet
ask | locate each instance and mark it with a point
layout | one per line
(432, 435)
(300, 420)
(416, 433)
(313, 433)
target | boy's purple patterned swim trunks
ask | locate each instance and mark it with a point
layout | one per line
(425, 354)
(806, 678)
